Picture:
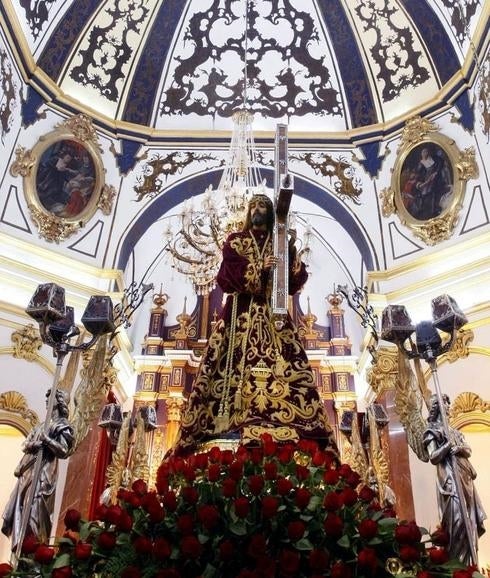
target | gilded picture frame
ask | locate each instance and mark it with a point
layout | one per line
(428, 181)
(64, 179)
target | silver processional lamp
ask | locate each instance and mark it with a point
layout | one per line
(447, 317)
(57, 326)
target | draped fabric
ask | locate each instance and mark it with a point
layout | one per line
(254, 376)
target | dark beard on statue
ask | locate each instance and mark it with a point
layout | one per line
(259, 219)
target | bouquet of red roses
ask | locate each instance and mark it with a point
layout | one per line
(257, 512)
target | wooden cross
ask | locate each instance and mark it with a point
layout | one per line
(283, 192)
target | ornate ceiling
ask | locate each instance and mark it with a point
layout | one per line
(348, 67)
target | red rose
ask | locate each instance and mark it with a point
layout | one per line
(161, 549)
(302, 498)
(302, 472)
(190, 547)
(227, 456)
(318, 559)
(190, 494)
(349, 496)
(333, 525)
(139, 487)
(408, 533)
(208, 516)
(318, 459)
(409, 553)
(162, 481)
(131, 572)
(368, 529)
(340, 570)
(229, 488)
(285, 454)
(113, 514)
(257, 546)
(353, 479)
(270, 504)
(226, 550)
(283, 486)
(345, 470)
(215, 454)
(83, 551)
(44, 554)
(30, 544)
(266, 566)
(366, 559)
(296, 530)
(72, 519)
(185, 524)
(189, 474)
(366, 494)
(214, 472)
(269, 446)
(125, 522)
(170, 501)
(464, 573)
(440, 537)
(242, 507)
(236, 470)
(438, 556)
(332, 501)
(106, 540)
(143, 545)
(63, 572)
(331, 477)
(5, 569)
(255, 484)
(270, 470)
(289, 561)
(100, 512)
(256, 456)
(424, 574)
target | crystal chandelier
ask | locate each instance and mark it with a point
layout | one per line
(195, 248)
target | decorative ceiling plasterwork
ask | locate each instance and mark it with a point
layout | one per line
(9, 91)
(322, 66)
(286, 68)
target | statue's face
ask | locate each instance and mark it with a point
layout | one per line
(259, 211)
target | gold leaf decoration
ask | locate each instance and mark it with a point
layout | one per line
(106, 199)
(82, 128)
(51, 227)
(415, 130)
(27, 343)
(466, 164)
(140, 470)
(15, 402)
(387, 197)
(467, 402)
(24, 161)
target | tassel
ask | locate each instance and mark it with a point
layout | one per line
(238, 396)
(221, 423)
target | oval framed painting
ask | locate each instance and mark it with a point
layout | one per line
(428, 181)
(64, 178)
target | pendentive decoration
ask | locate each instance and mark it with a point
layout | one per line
(428, 181)
(64, 180)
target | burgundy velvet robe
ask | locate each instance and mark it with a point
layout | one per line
(253, 377)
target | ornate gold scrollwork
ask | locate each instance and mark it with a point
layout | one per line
(382, 375)
(27, 343)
